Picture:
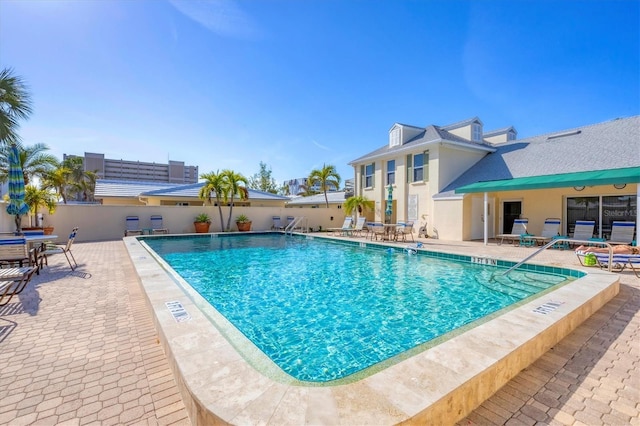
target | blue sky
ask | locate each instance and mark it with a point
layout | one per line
(297, 84)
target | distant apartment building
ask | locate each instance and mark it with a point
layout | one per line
(174, 172)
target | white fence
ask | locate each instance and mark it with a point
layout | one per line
(100, 223)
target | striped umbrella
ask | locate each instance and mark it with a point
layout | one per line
(388, 212)
(16, 206)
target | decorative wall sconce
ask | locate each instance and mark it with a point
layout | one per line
(578, 188)
(620, 185)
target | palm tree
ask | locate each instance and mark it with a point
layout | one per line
(232, 187)
(35, 162)
(358, 203)
(326, 178)
(58, 180)
(15, 104)
(214, 184)
(36, 198)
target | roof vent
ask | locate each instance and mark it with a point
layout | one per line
(563, 134)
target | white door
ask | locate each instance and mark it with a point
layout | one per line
(477, 218)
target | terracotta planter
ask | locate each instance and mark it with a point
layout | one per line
(201, 227)
(243, 226)
(48, 230)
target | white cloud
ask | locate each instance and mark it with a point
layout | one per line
(326, 148)
(222, 17)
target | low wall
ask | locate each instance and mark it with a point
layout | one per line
(100, 223)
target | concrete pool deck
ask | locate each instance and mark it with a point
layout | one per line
(76, 349)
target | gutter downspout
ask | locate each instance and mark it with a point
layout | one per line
(484, 218)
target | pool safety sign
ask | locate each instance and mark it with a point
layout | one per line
(178, 311)
(547, 307)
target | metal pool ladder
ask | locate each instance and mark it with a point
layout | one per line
(294, 224)
(563, 240)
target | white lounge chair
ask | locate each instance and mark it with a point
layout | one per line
(132, 226)
(550, 229)
(277, 224)
(618, 261)
(156, 225)
(357, 231)
(345, 229)
(583, 230)
(519, 228)
(622, 232)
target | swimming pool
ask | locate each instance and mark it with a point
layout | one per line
(221, 380)
(323, 310)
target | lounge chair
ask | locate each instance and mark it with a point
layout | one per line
(357, 231)
(65, 249)
(519, 228)
(156, 225)
(622, 232)
(277, 224)
(550, 229)
(132, 226)
(583, 230)
(404, 229)
(14, 251)
(13, 281)
(345, 229)
(619, 261)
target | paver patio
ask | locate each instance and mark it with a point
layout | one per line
(80, 348)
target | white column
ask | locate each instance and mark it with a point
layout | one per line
(484, 220)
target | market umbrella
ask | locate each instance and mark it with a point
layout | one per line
(388, 212)
(16, 206)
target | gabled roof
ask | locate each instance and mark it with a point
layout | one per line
(499, 131)
(429, 136)
(115, 188)
(334, 197)
(603, 146)
(462, 123)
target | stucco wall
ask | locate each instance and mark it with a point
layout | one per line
(100, 222)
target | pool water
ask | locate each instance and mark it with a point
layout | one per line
(323, 310)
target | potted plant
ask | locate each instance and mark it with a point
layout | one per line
(201, 223)
(36, 198)
(243, 223)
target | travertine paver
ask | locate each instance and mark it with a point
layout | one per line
(79, 348)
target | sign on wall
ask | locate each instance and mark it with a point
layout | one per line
(412, 208)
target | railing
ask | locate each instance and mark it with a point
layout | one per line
(294, 224)
(565, 240)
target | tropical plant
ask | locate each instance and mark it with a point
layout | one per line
(326, 179)
(213, 184)
(359, 203)
(202, 218)
(15, 104)
(262, 181)
(242, 219)
(58, 180)
(35, 162)
(232, 187)
(36, 197)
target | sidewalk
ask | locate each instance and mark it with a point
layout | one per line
(79, 348)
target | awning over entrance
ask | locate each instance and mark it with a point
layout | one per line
(563, 180)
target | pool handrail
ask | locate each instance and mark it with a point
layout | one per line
(568, 240)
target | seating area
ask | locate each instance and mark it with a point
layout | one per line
(277, 224)
(345, 229)
(132, 226)
(156, 225)
(13, 281)
(619, 261)
(622, 232)
(52, 249)
(550, 230)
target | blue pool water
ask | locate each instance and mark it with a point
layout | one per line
(323, 310)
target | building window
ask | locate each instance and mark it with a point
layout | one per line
(369, 175)
(476, 129)
(511, 136)
(391, 172)
(394, 137)
(418, 167)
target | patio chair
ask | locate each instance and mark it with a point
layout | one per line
(51, 249)
(277, 224)
(132, 226)
(550, 229)
(345, 229)
(519, 228)
(156, 225)
(13, 281)
(622, 232)
(404, 229)
(619, 261)
(377, 230)
(357, 231)
(14, 251)
(583, 230)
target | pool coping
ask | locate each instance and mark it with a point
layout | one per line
(219, 386)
